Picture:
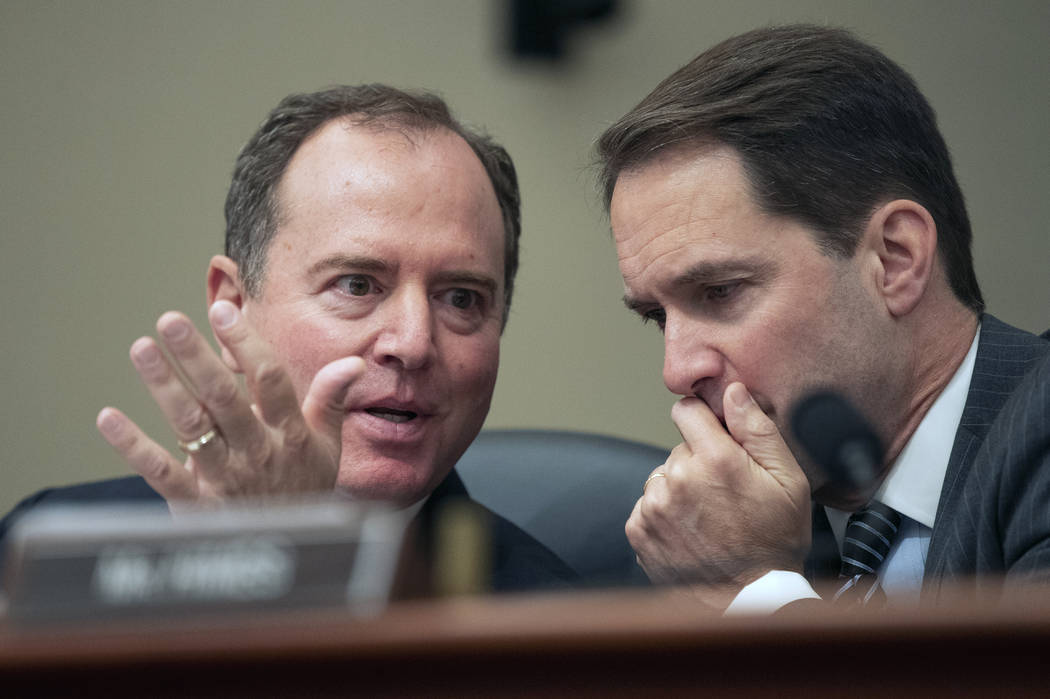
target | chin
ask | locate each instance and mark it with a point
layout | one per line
(388, 480)
(844, 498)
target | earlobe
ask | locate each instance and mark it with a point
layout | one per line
(224, 283)
(905, 238)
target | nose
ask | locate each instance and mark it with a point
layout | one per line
(406, 338)
(689, 360)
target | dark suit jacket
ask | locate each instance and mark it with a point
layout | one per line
(993, 518)
(519, 562)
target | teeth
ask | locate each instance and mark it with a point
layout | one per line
(392, 415)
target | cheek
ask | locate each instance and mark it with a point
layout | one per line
(474, 365)
(768, 344)
(781, 352)
(303, 347)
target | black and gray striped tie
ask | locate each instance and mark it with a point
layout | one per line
(869, 536)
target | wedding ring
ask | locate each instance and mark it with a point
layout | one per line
(195, 445)
(658, 474)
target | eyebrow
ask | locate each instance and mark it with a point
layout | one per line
(712, 272)
(361, 262)
(723, 270)
(463, 277)
(365, 263)
(633, 304)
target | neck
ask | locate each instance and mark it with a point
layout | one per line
(935, 352)
(939, 349)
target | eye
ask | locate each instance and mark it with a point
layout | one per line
(656, 315)
(357, 284)
(463, 299)
(720, 292)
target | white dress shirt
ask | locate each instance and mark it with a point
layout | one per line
(912, 488)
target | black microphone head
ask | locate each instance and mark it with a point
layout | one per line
(838, 439)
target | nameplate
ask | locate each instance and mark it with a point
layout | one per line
(69, 562)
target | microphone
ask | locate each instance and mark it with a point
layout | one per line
(839, 439)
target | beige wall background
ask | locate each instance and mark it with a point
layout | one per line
(121, 121)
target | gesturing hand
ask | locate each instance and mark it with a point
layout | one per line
(264, 441)
(730, 505)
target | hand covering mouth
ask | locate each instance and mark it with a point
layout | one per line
(392, 414)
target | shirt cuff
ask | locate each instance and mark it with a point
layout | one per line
(770, 592)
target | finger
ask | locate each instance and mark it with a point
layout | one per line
(634, 527)
(325, 408)
(187, 417)
(183, 410)
(160, 469)
(640, 536)
(654, 478)
(697, 423)
(213, 387)
(270, 386)
(758, 435)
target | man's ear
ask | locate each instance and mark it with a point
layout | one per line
(224, 284)
(904, 238)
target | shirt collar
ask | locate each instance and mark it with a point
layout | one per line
(913, 485)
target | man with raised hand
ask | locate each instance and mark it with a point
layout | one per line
(371, 248)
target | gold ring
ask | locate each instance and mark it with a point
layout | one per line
(658, 474)
(195, 445)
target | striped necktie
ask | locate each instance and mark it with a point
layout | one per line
(869, 536)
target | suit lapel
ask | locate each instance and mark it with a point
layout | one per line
(1004, 355)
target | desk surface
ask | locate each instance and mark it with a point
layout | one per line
(581, 645)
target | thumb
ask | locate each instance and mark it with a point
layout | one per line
(324, 407)
(758, 435)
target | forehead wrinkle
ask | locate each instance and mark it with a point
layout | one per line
(632, 301)
(679, 239)
(636, 258)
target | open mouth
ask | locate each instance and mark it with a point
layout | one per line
(392, 415)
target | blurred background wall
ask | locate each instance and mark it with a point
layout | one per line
(121, 120)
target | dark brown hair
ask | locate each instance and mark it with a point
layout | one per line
(251, 204)
(827, 127)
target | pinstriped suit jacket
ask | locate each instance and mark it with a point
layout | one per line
(993, 518)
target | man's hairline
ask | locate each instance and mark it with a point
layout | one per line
(699, 146)
(277, 217)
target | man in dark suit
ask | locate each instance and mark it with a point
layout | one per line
(371, 248)
(785, 211)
